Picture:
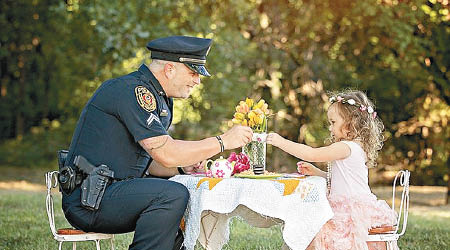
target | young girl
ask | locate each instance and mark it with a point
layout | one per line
(356, 133)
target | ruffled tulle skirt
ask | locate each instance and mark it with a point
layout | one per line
(353, 217)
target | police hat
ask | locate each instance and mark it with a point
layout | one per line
(191, 51)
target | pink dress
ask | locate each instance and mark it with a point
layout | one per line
(356, 209)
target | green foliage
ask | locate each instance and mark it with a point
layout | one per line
(54, 54)
(39, 147)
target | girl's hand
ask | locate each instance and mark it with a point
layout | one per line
(307, 168)
(274, 139)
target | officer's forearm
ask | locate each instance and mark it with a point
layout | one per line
(183, 153)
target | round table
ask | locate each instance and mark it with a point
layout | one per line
(300, 204)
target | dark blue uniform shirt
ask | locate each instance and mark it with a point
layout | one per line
(122, 112)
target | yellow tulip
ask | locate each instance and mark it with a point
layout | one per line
(259, 104)
(245, 108)
(239, 116)
(236, 121)
(261, 119)
(244, 122)
(254, 120)
(265, 109)
(249, 102)
(242, 107)
(251, 114)
(251, 123)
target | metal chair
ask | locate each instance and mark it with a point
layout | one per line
(390, 234)
(69, 234)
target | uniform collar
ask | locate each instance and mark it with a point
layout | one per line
(147, 76)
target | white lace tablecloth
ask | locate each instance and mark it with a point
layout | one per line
(300, 204)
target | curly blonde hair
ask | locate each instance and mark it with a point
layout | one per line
(364, 127)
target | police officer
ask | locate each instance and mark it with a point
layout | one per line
(124, 126)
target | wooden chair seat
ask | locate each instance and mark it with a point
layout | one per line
(382, 230)
(69, 231)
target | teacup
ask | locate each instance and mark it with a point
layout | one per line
(220, 168)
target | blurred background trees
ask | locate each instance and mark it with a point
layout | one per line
(54, 54)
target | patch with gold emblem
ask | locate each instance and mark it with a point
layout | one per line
(145, 98)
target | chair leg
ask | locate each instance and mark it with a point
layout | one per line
(60, 245)
(97, 244)
(389, 245)
(112, 243)
(74, 245)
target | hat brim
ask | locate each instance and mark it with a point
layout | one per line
(201, 69)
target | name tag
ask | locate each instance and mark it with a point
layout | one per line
(164, 113)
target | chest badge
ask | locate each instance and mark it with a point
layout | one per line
(145, 98)
(164, 113)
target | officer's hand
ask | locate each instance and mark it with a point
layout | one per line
(188, 169)
(200, 167)
(237, 137)
(195, 168)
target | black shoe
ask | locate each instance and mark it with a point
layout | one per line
(179, 239)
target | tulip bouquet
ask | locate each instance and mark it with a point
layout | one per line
(254, 114)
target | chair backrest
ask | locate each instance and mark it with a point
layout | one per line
(51, 179)
(403, 179)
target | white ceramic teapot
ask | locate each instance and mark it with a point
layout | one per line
(220, 168)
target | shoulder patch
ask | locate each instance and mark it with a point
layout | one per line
(145, 98)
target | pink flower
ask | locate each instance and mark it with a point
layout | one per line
(232, 157)
(242, 162)
(362, 108)
(339, 98)
(220, 173)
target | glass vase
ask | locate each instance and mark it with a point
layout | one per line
(256, 153)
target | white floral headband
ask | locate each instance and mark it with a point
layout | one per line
(352, 102)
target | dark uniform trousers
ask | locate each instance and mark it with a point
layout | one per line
(151, 207)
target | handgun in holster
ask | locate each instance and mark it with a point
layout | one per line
(94, 185)
(68, 177)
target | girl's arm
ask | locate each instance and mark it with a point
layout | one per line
(335, 151)
(307, 168)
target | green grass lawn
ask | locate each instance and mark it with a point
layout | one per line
(24, 225)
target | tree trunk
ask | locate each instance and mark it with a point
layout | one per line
(448, 187)
(19, 125)
(20, 120)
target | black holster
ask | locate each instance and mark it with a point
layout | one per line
(95, 182)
